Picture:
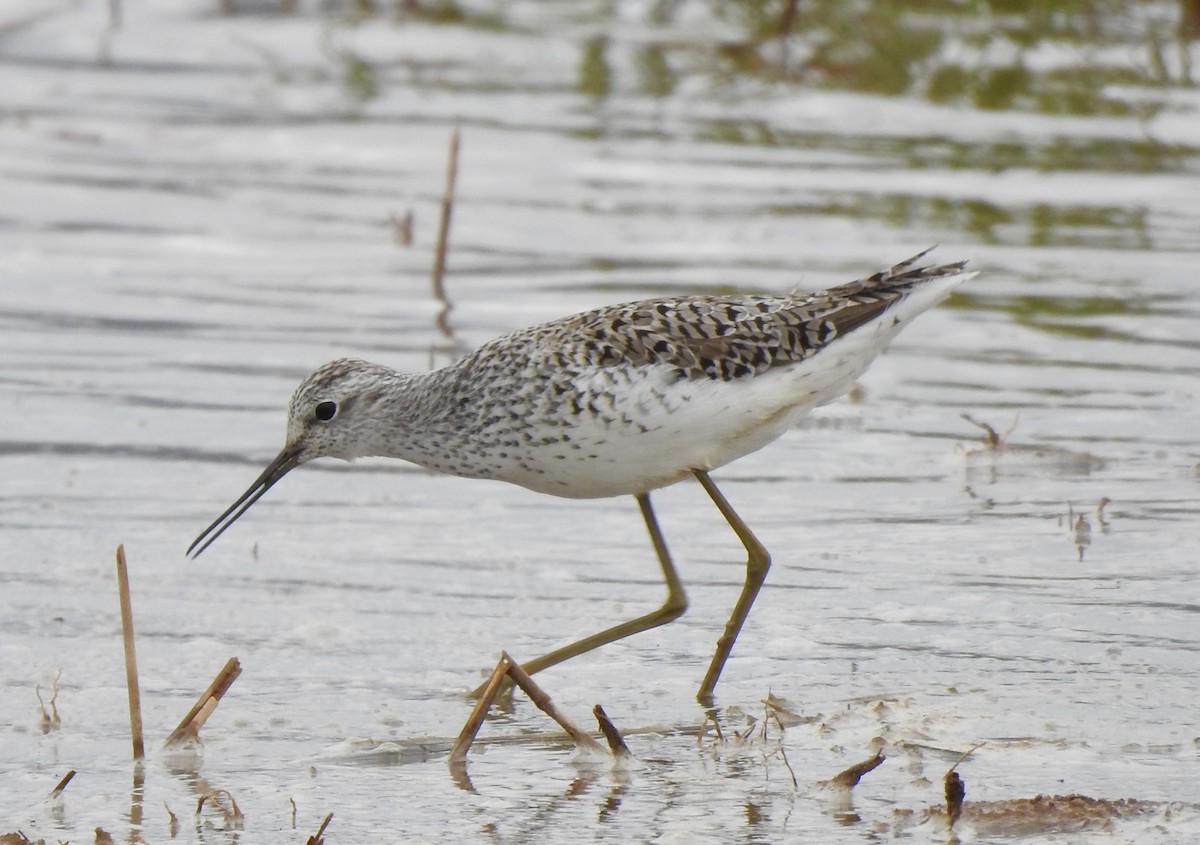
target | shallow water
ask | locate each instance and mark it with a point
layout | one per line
(197, 214)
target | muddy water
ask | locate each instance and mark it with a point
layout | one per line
(196, 211)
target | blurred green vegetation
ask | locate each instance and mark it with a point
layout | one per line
(1055, 154)
(1042, 224)
(1110, 58)
(1081, 316)
(1069, 57)
(1047, 56)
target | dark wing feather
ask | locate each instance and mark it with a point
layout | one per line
(730, 337)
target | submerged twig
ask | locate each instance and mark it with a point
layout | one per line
(131, 673)
(402, 228)
(613, 736)
(50, 720)
(993, 440)
(226, 805)
(953, 786)
(62, 784)
(506, 667)
(458, 753)
(1081, 531)
(955, 791)
(542, 700)
(780, 709)
(443, 238)
(318, 838)
(791, 771)
(997, 443)
(851, 776)
(966, 754)
(189, 727)
(703, 732)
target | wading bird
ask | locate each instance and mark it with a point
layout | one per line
(621, 400)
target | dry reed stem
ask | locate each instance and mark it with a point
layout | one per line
(851, 776)
(780, 709)
(131, 673)
(189, 727)
(539, 697)
(443, 237)
(954, 788)
(966, 754)
(62, 784)
(136, 796)
(788, 763)
(506, 666)
(615, 742)
(709, 718)
(402, 228)
(50, 720)
(955, 791)
(226, 805)
(318, 838)
(458, 754)
(992, 440)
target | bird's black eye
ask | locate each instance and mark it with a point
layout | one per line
(325, 411)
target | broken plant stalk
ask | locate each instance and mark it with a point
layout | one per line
(131, 673)
(616, 742)
(506, 666)
(189, 727)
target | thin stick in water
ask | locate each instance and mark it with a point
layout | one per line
(189, 727)
(955, 791)
(540, 698)
(506, 666)
(319, 837)
(458, 754)
(851, 776)
(131, 673)
(225, 804)
(62, 784)
(954, 787)
(443, 238)
(50, 720)
(616, 742)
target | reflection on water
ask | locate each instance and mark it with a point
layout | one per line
(1041, 56)
(199, 207)
(1053, 154)
(1052, 56)
(1042, 224)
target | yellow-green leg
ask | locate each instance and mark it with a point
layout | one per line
(757, 565)
(671, 609)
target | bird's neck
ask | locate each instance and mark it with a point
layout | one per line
(425, 419)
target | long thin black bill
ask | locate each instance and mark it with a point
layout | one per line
(284, 462)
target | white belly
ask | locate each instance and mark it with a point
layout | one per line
(648, 430)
